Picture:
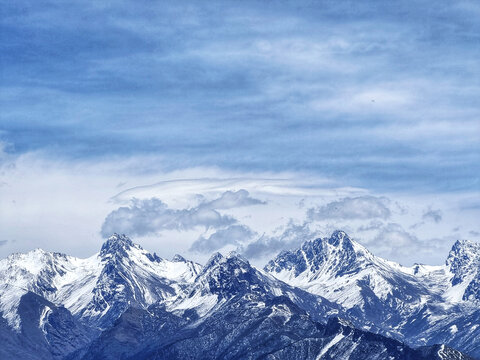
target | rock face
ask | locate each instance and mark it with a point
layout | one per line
(47, 331)
(463, 263)
(125, 303)
(421, 305)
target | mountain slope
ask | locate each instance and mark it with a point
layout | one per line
(224, 277)
(422, 305)
(248, 318)
(47, 331)
(125, 303)
(98, 289)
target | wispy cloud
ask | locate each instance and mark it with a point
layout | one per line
(233, 199)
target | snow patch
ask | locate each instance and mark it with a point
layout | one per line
(331, 343)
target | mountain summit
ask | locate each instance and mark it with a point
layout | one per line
(117, 244)
(411, 304)
(324, 300)
(339, 254)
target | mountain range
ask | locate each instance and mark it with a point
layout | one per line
(329, 299)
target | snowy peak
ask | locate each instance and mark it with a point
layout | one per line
(117, 245)
(464, 264)
(337, 238)
(131, 276)
(343, 271)
(178, 258)
(97, 289)
(221, 279)
(338, 252)
(463, 255)
(214, 260)
(227, 276)
(37, 271)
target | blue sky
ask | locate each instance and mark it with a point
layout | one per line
(376, 95)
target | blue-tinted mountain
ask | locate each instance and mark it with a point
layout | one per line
(47, 331)
(126, 303)
(241, 317)
(95, 290)
(421, 305)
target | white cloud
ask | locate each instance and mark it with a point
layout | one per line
(150, 216)
(231, 235)
(287, 237)
(61, 206)
(362, 207)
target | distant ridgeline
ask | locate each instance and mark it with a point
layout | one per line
(329, 299)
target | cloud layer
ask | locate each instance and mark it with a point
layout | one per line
(382, 96)
(151, 216)
(379, 98)
(146, 217)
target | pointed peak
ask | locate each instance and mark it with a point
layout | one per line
(214, 259)
(232, 260)
(38, 251)
(118, 237)
(178, 258)
(465, 244)
(464, 248)
(338, 252)
(227, 276)
(235, 255)
(338, 237)
(116, 243)
(462, 260)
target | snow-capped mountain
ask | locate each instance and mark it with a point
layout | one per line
(233, 311)
(97, 289)
(420, 305)
(345, 272)
(126, 303)
(463, 263)
(225, 277)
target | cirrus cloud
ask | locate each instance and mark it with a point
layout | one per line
(233, 199)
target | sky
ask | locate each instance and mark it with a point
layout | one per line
(253, 126)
